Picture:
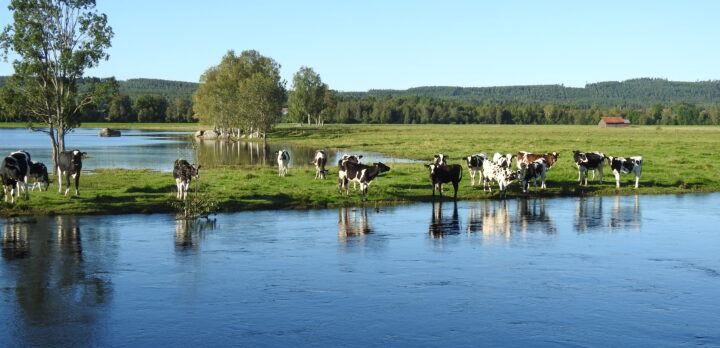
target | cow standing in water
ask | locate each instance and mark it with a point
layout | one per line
(320, 160)
(184, 172)
(283, 159)
(70, 165)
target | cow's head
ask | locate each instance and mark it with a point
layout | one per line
(579, 157)
(381, 167)
(440, 159)
(195, 171)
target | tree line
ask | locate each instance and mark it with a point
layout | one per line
(423, 110)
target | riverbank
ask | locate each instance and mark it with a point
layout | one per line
(119, 191)
(677, 160)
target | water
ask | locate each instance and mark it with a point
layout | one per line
(600, 271)
(157, 150)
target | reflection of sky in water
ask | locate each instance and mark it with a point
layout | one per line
(158, 150)
(640, 267)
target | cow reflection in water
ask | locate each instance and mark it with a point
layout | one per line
(625, 215)
(54, 286)
(589, 215)
(441, 226)
(353, 226)
(533, 218)
(187, 232)
(15, 239)
(490, 218)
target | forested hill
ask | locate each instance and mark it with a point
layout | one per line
(637, 92)
(166, 88)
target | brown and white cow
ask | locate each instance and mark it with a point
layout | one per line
(503, 176)
(622, 165)
(527, 157)
(319, 161)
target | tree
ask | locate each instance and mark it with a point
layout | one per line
(179, 110)
(243, 94)
(150, 108)
(55, 41)
(121, 109)
(307, 99)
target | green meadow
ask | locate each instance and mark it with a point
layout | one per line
(676, 160)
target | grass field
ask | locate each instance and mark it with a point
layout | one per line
(677, 160)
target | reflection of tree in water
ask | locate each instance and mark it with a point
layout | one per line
(625, 216)
(216, 153)
(187, 232)
(533, 218)
(589, 214)
(60, 296)
(441, 226)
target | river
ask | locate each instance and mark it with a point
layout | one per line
(598, 271)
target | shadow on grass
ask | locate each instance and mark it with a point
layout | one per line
(149, 189)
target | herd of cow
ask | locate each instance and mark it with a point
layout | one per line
(17, 169)
(531, 167)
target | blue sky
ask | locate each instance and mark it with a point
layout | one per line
(361, 45)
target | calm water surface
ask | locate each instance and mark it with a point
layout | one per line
(157, 150)
(601, 271)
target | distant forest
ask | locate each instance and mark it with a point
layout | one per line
(643, 101)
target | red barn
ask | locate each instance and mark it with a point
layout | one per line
(613, 122)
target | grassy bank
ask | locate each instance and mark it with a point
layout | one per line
(677, 160)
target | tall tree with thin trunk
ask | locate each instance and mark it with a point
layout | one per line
(54, 41)
(308, 96)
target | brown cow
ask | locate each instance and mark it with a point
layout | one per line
(527, 158)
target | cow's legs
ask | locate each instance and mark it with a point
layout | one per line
(59, 177)
(77, 183)
(617, 178)
(472, 177)
(67, 183)
(637, 176)
(600, 173)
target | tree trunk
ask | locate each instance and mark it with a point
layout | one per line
(55, 152)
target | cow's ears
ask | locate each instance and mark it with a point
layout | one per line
(360, 156)
(436, 156)
(198, 167)
(426, 165)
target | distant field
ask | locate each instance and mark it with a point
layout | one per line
(677, 160)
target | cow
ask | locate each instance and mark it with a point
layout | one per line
(184, 172)
(527, 157)
(70, 165)
(474, 164)
(320, 160)
(444, 173)
(362, 174)
(504, 161)
(39, 171)
(503, 176)
(589, 161)
(342, 173)
(10, 174)
(625, 166)
(534, 171)
(283, 159)
(440, 159)
(23, 162)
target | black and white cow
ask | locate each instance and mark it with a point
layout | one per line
(475, 166)
(39, 171)
(184, 172)
(589, 161)
(443, 173)
(283, 159)
(625, 166)
(70, 165)
(534, 171)
(499, 173)
(362, 174)
(10, 174)
(342, 172)
(319, 161)
(504, 161)
(23, 162)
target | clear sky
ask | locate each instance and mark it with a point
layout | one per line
(369, 44)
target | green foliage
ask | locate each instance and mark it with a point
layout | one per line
(120, 109)
(150, 108)
(179, 110)
(168, 89)
(308, 97)
(243, 93)
(55, 42)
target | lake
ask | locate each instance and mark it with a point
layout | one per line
(157, 150)
(597, 271)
